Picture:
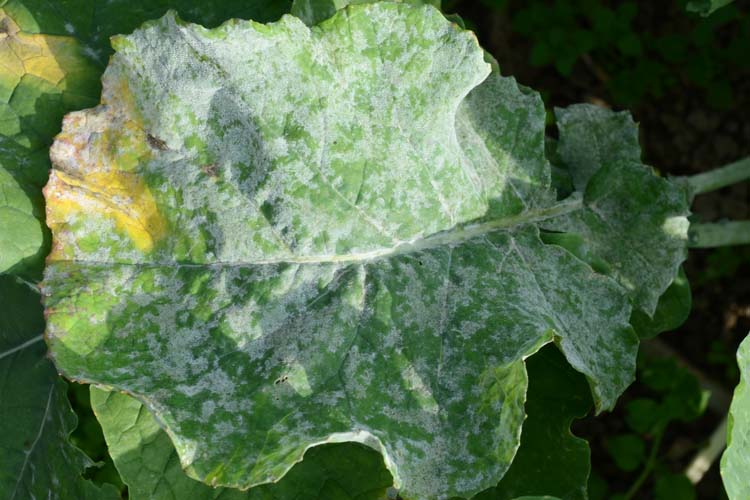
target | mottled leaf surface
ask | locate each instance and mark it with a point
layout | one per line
(634, 223)
(52, 55)
(340, 245)
(735, 463)
(36, 458)
(148, 463)
(591, 137)
(551, 460)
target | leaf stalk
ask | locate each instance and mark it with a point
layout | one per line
(719, 178)
(719, 234)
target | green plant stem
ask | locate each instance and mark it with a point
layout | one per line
(22, 346)
(32, 286)
(707, 455)
(647, 468)
(720, 177)
(719, 234)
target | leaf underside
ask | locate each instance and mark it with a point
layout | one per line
(342, 244)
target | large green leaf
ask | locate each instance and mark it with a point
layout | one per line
(92, 22)
(37, 460)
(339, 245)
(148, 463)
(735, 463)
(550, 461)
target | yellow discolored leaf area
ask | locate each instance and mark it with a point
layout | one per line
(33, 54)
(96, 173)
(49, 64)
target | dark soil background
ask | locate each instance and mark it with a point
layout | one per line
(686, 79)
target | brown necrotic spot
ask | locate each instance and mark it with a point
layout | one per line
(210, 170)
(156, 143)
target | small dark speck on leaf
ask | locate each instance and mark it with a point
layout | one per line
(6, 28)
(210, 170)
(281, 380)
(156, 143)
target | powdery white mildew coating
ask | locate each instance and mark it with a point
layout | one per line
(317, 235)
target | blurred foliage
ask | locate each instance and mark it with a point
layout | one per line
(628, 46)
(721, 355)
(722, 263)
(669, 393)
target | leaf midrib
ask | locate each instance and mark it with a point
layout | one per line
(450, 237)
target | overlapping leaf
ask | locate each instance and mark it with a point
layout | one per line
(41, 78)
(148, 463)
(339, 245)
(550, 461)
(735, 463)
(37, 461)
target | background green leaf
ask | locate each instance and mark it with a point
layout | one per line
(735, 463)
(21, 237)
(37, 459)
